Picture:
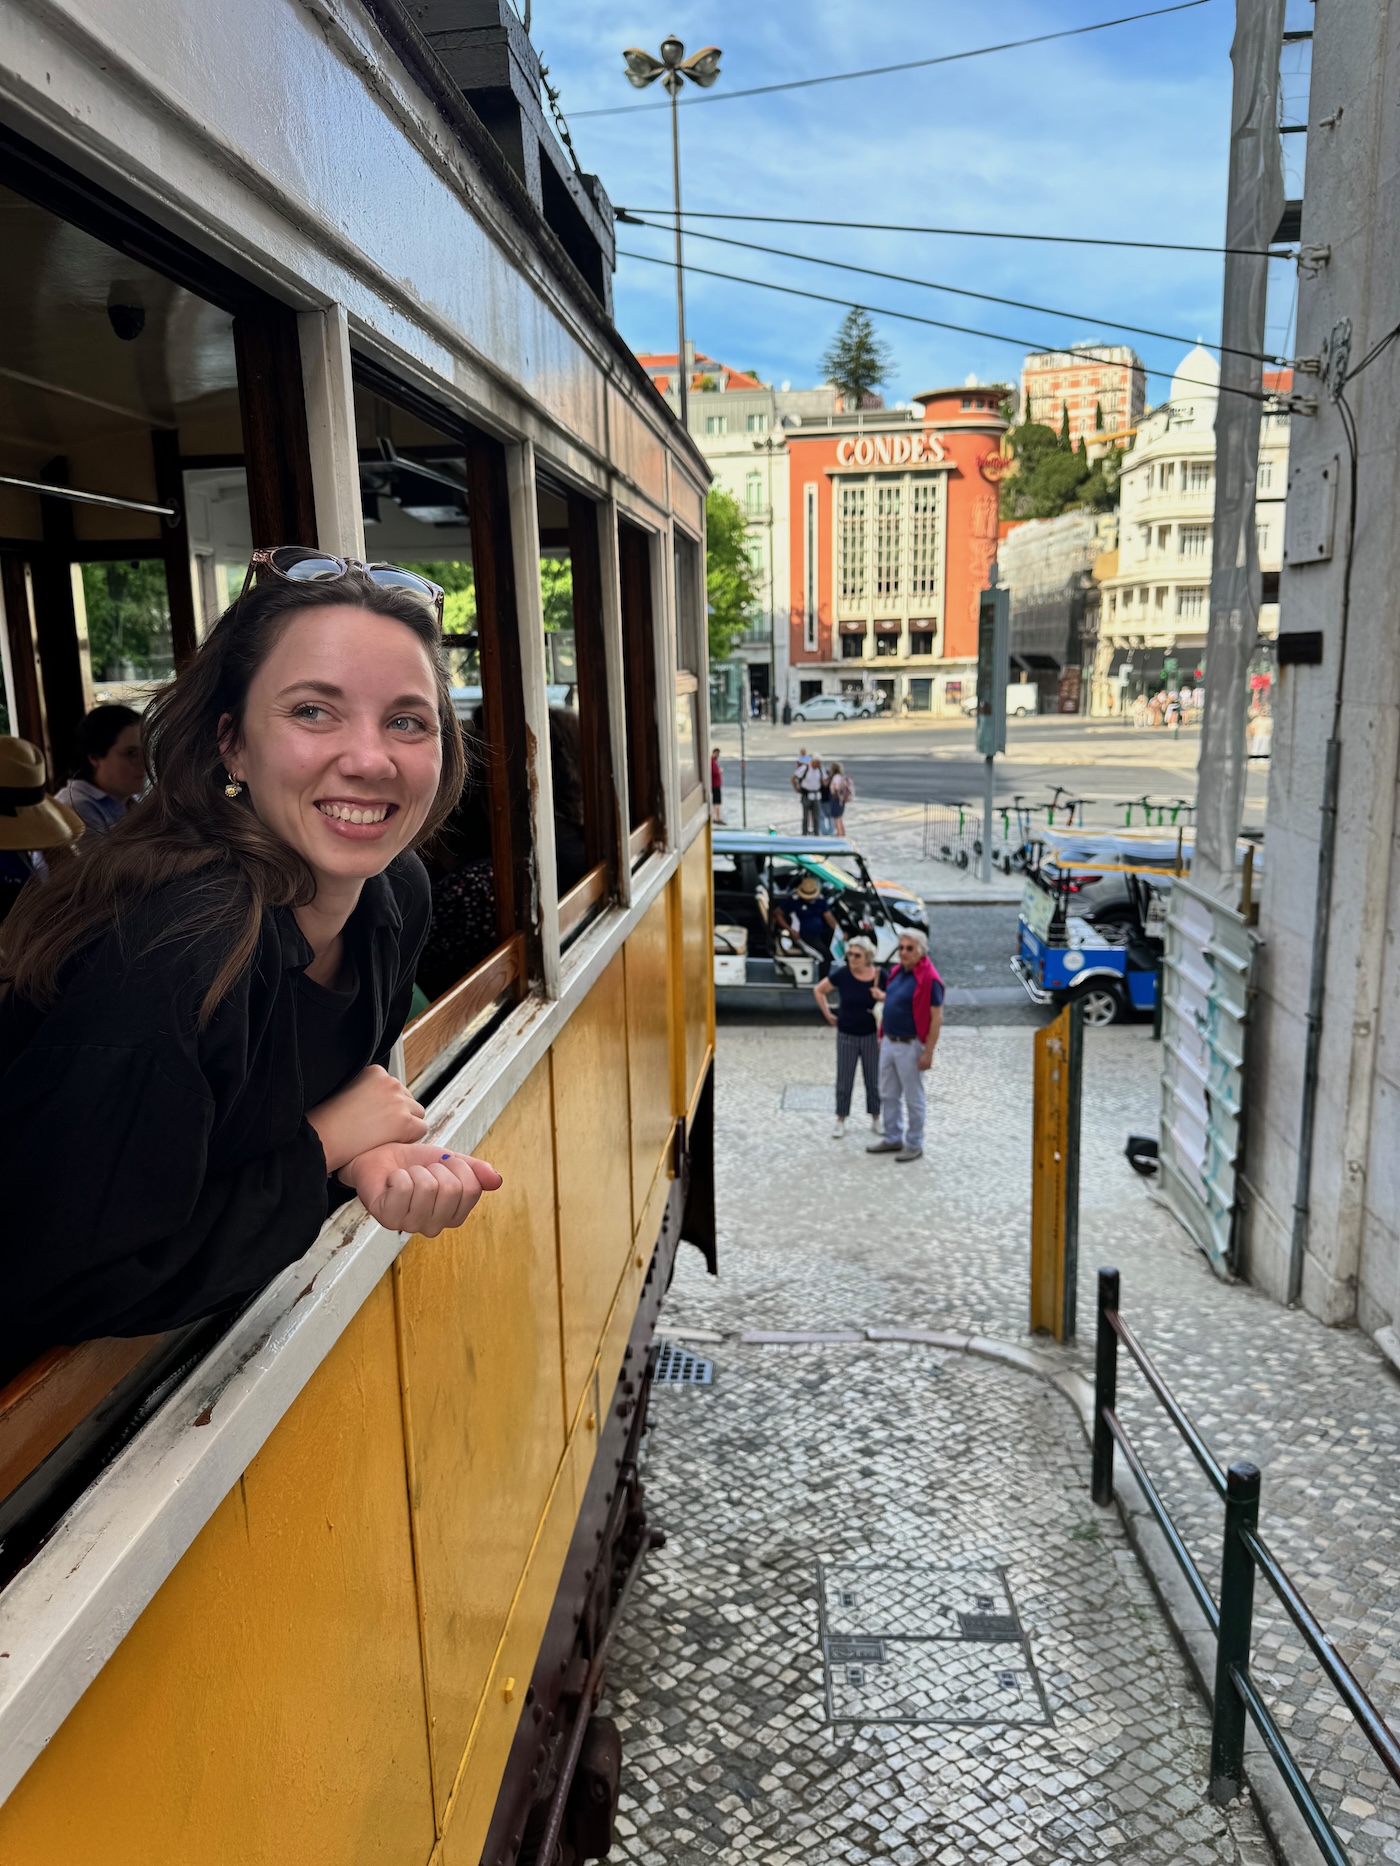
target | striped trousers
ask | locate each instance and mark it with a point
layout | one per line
(850, 1051)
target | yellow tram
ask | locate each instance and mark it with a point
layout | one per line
(331, 1581)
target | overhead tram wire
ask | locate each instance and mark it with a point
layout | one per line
(882, 71)
(965, 233)
(934, 323)
(961, 291)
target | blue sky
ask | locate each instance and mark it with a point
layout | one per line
(1120, 133)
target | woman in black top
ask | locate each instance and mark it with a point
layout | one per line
(856, 988)
(197, 1014)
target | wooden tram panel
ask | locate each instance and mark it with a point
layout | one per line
(335, 1670)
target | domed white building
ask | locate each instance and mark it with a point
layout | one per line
(1155, 606)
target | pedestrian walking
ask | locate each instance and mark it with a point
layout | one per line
(913, 1021)
(842, 791)
(807, 782)
(856, 988)
(716, 785)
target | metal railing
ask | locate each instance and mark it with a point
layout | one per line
(1236, 1697)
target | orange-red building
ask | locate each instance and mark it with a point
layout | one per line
(893, 529)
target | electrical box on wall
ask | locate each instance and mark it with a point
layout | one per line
(1310, 518)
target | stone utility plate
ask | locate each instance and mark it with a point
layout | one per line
(910, 1644)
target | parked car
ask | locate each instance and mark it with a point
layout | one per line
(1022, 699)
(834, 706)
(753, 869)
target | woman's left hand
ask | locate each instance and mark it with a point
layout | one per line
(419, 1188)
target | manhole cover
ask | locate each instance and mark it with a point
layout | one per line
(678, 1367)
(809, 1098)
(916, 1644)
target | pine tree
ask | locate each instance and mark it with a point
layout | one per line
(857, 361)
(1098, 417)
(1065, 441)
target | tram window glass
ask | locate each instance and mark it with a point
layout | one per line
(639, 685)
(122, 384)
(689, 660)
(585, 810)
(415, 496)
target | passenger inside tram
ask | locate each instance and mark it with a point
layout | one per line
(221, 980)
(111, 771)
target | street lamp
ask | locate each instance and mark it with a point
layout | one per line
(673, 68)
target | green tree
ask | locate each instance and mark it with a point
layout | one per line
(128, 617)
(857, 361)
(1098, 417)
(1064, 426)
(731, 583)
(458, 582)
(1052, 477)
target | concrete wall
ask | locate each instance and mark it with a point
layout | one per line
(1352, 207)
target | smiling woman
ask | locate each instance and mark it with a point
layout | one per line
(218, 985)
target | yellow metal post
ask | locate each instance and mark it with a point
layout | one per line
(1050, 1149)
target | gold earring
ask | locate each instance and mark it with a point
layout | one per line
(233, 788)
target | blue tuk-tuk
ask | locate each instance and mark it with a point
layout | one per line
(1093, 916)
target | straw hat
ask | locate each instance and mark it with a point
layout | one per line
(29, 818)
(809, 887)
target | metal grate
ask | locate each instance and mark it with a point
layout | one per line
(678, 1367)
(992, 1626)
(855, 1649)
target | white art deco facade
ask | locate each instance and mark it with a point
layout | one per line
(1156, 599)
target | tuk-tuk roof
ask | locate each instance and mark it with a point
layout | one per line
(772, 842)
(1127, 851)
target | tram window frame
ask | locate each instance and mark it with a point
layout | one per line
(581, 535)
(645, 791)
(465, 1014)
(687, 575)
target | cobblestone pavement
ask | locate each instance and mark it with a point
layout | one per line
(816, 1235)
(803, 1493)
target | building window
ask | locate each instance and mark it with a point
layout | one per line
(923, 537)
(921, 641)
(1261, 539)
(757, 424)
(1145, 535)
(809, 569)
(887, 645)
(1264, 478)
(889, 537)
(1160, 597)
(1198, 475)
(1190, 604)
(716, 424)
(852, 647)
(753, 492)
(754, 548)
(1166, 473)
(1193, 540)
(1127, 599)
(1164, 533)
(967, 401)
(851, 571)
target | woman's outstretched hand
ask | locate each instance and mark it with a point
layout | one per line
(418, 1188)
(375, 1110)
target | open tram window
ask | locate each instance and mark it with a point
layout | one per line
(120, 391)
(689, 661)
(432, 494)
(639, 687)
(580, 746)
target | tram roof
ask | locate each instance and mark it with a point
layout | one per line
(765, 842)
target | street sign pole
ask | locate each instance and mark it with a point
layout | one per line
(993, 666)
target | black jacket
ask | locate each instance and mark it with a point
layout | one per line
(151, 1172)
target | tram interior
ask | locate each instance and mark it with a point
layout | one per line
(118, 383)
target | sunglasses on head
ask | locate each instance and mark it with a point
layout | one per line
(298, 563)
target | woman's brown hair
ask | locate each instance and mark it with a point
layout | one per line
(186, 825)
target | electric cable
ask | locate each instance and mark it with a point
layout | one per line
(881, 71)
(963, 291)
(966, 233)
(935, 323)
